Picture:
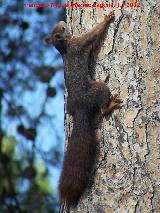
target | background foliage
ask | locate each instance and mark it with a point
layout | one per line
(31, 109)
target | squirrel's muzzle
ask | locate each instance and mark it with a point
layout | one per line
(48, 40)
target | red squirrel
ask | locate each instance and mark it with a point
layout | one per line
(85, 98)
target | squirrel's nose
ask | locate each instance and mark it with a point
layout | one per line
(48, 40)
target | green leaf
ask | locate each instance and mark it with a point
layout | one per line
(44, 184)
(8, 146)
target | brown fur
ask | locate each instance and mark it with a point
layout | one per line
(85, 99)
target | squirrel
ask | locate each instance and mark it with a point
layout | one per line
(85, 99)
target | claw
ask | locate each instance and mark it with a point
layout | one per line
(114, 103)
(110, 16)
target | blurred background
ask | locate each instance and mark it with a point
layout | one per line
(31, 108)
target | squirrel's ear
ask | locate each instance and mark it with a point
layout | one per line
(48, 40)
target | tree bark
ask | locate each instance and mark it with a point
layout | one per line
(127, 177)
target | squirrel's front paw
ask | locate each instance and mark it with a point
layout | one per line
(110, 16)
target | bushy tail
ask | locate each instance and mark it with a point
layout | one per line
(78, 160)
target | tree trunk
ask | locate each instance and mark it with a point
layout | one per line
(127, 177)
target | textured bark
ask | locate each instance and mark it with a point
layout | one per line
(127, 175)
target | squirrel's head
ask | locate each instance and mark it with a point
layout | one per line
(59, 36)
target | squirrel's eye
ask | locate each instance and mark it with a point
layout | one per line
(63, 28)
